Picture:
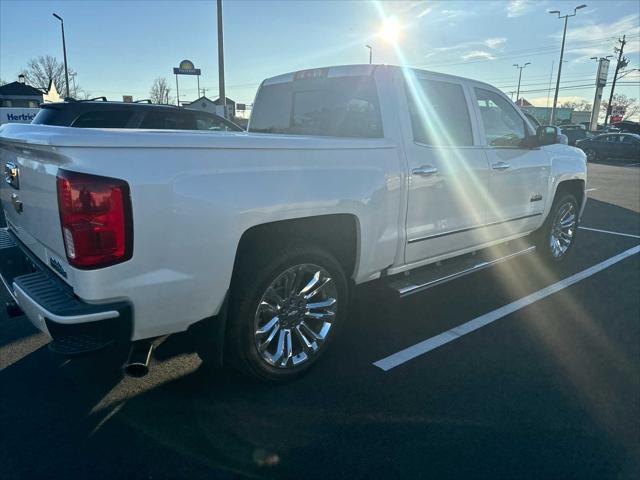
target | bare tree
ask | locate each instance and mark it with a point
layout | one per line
(2, 82)
(621, 100)
(42, 70)
(581, 105)
(160, 91)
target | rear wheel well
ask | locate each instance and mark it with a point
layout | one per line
(338, 234)
(574, 187)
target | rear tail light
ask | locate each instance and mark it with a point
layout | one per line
(95, 216)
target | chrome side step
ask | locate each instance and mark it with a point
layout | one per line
(448, 270)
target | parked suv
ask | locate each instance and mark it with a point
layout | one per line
(99, 113)
(574, 133)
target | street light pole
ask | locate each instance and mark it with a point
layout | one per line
(564, 36)
(370, 53)
(64, 51)
(520, 77)
(223, 96)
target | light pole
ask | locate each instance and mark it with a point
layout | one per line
(223, 95)
(370, 53)
(564, 35)
(520, 77)
(64, 51)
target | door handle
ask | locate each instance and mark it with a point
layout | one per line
(500, 165)
(425, 170)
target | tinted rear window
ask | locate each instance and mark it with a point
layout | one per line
(47, 116)
(103, 119)
(339, 107)
(169, 120)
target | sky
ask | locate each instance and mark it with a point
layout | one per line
(119, 47)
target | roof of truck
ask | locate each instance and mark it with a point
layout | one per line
(362, 69)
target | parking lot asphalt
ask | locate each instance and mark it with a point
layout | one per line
(550, 390)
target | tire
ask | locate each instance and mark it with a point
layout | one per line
(557, 236)
(592, 155)
(273, 296)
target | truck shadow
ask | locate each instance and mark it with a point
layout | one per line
(345, 419)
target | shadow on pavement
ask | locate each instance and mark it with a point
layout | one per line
(468, 413)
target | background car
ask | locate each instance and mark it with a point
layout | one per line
(103, 114)
(574, 133)
(611, 145)
(628, 126)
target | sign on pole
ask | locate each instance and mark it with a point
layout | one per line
(186, 67)
(603, 71)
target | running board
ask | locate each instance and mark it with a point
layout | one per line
(442, 272)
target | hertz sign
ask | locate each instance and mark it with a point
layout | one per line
(186, 68)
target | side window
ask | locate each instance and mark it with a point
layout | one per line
(503, 126)
(103, 119)
(204, 122)
(629, 139)
(439, 113)
(168, 121)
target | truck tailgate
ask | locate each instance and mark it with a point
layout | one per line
(29, 198)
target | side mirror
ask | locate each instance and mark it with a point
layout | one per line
(548, 135)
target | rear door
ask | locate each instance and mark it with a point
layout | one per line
(448, 172)
(519, 176)
(630, 147)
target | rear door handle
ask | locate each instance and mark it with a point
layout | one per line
(425, 170)
(500, 165)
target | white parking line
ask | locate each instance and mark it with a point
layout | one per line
(609, 232)
(432, 343)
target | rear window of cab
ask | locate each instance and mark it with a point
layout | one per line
(340, 107)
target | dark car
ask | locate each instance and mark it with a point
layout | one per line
(628, 126)
(611, 145)
(104, 114)
(574, 133)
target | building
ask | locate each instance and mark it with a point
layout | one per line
(20, 95)
(212, 106)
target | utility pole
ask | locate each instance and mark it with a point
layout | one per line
(223, 95)
(64, 51)
(370, 53)
(520, 78)
(620, 63)
(564, 36)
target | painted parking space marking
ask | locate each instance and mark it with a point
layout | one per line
(609, 232)
(432, 343)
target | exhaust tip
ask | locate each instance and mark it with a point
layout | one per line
(137, 364)
(136, 369)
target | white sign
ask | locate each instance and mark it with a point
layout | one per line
(618, 111)
(17, 115)
(603, 71)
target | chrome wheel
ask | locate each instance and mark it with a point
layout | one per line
(294, 316)
(563, 229)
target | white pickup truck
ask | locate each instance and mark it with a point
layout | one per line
(347, 174)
